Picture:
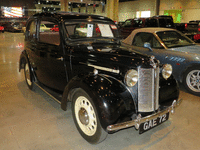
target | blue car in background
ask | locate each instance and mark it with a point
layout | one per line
(170, 46)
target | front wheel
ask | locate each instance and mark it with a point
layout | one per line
(86, 118)
(191, 80)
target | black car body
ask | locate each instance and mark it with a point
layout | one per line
(163, 21)
(110, 87)
(156, 21)
(129, 25)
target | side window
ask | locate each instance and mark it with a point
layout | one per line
(127, 23)
(137, 23)
(140, 39)
(49, 32)
(151, 23)
(143, 37)
(31, 30)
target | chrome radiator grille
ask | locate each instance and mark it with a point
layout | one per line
(148, 88)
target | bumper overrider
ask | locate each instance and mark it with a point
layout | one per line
(140, 120)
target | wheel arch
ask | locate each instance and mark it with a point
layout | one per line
(191, 86)
(187, 68)
(110, 102)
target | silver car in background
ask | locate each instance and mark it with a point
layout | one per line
(170, 46)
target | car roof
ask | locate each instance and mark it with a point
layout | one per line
(70, 15)
(162, 16)
(129, 39)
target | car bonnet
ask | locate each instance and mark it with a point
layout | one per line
(193, 49)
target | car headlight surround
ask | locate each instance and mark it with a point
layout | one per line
(166, 71)
(131, 77)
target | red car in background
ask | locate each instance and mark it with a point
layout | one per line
(2, 29)
(55, 28)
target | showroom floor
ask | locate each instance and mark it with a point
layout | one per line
(32, 120)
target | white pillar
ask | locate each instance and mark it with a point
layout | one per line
(112, 9)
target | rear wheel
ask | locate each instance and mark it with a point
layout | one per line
(28, 76)
(86, 118)
(191, 80)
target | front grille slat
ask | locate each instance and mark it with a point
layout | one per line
(148, 89)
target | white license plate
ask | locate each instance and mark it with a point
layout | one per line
(153, 123)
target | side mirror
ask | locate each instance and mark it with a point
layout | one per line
(148, 45)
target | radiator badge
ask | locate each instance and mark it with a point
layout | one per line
(152, 62)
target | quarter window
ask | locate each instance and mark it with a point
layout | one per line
(143, 37)
(127, 23)
(31, 29)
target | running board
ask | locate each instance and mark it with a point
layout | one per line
(57, 97)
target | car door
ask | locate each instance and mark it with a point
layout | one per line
(50, 60)
(31, 40)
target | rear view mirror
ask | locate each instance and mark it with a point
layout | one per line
(148, 45)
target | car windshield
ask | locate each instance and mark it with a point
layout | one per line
(174, 39)
(88, 30)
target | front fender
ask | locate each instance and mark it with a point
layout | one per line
(169, 91)
(111, 98)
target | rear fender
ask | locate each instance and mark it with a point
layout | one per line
(110, 97)
(23, 59)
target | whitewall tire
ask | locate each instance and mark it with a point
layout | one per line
(86, 118)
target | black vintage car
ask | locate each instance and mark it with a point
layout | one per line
(110, 86)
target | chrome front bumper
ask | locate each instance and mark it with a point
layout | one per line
(140, 120)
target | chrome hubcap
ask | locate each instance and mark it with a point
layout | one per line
(193, 80)
(85, 116)
(27, 74)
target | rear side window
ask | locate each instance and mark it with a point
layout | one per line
(49, 32)
(127, 23)
(138, 23)
(166, 22)
(31, 30)
(143, 37)
(151, 23)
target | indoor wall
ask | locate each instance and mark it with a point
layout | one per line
(128, 9)
(190, 8)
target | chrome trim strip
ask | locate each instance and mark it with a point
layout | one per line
(104, 68)
(47, 93)
(139, 120)
(156, 88)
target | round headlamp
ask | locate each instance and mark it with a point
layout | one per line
(166, 71)
(131, 78)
